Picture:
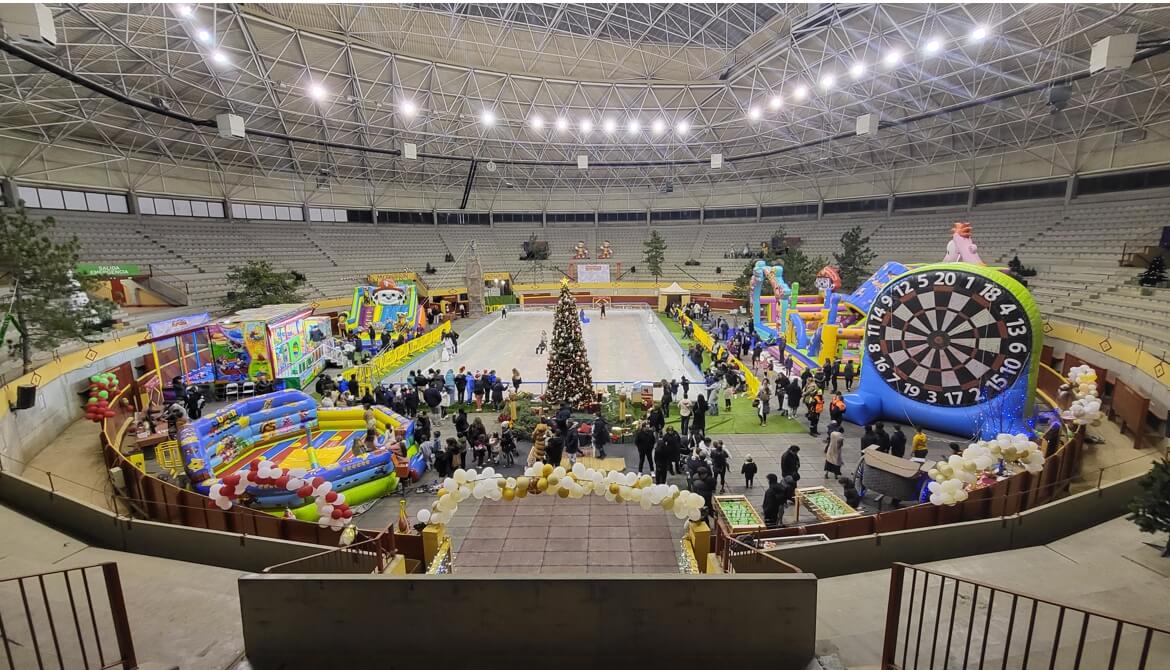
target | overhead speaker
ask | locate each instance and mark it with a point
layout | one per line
(1115, 52)
(26, 397)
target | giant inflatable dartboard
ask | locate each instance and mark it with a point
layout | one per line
(942, 342)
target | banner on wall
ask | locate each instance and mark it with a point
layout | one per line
(177, 324)
(593, 272)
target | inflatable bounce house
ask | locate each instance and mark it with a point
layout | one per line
(286, 431)
(952, 346)
(281, 342)
(389, 305)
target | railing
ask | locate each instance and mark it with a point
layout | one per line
(369, 557)
(73, 618)
(935, 620)
(379, 366)
(709, 343)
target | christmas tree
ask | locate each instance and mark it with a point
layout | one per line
(1155, 273)
(569, 376)
(1150, 510)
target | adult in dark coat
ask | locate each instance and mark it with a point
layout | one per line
(848, 373)
(410, 399)
(656, 420)
(644, 441)
(433, 398)
(667, 398)
(600, 435)
(699, 417)
(562, 417)
(790, 463)
(572, 440)
(498, 394)
(869, 438)
(460, 385)
(703, 483)
(794, 396)
(461, 423)
(686, 386)
(774, 497)
(673, 443)
(554, 449)
(883, 437)
(898, 442)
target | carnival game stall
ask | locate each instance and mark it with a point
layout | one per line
(889, 475)
(180, 347)
(253, 451)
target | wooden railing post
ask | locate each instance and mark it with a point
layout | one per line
(893, 614)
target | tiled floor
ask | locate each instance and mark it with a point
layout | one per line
(546, 535)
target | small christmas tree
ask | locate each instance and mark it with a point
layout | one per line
(1155, 273)
(570, 378)
(1150, 510)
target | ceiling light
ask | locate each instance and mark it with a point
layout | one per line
(776, 102)
(754, 113)
(184, 10)
(317, 91)
(978, 33)
(537, 122)
(219, 57)
(857, 70)
(586, 125)
(635, 126)
(893, 57)
(933, 46)
(203, 36)
(408, 108)
(562, 124)
(827, 81)
(801, 92)
(609, 125)
(682, 127)
(657, 126)
(487, 117)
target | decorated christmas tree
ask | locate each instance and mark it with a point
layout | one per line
(1155, 273)
(569, 376)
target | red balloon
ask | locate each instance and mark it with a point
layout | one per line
(255, 464)
(337, 514)
(330, 497)
(317, 481)
(232, 479)
(305, 491)
(102, 403)
(347, 513)
(109, 413)
(282, 481)
(253, 476)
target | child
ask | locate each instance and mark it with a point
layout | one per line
(494, 448)
(852, 497)
(748, 471)
(479, 450)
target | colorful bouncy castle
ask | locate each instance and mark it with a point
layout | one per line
(390, 305)
(287, 429)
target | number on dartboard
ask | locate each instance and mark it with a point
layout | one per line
(948, 337)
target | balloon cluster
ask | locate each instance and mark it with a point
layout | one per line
(576, 483)
(332, 510)
(102, 387)
(980, 461)
(1085, 409)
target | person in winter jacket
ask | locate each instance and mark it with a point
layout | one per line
(684, 416)
(644, 441)
(833, 444)
(748, 470)
(774, 497)
(699, 417)
(572, 441)
(790, 463)
(433, 398)
(898, 442)
(703, 483)
(461, 423)
(848, 373)
(656, 420)
(837, 408)
(720, 464)
(794, 396)
(600, 435)
(498, 394)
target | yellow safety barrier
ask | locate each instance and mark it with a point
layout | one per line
(167, 455)
(379, 366)
(704, 338)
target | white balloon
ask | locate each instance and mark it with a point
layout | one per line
(579, 470)
(489, 472)
(450, 484)
(447, 503)
(559, 471)
(299, 473)
(340, 499)
(460, 475)
(423, 516)
(936, 498)
(510, 482)
(223, 503)
(293, 484)
(214, 490)
(680, 513)
(695, 515)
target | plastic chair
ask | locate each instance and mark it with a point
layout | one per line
(249, 390)
(231, 392)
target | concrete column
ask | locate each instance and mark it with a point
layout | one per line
(702, 215)
(434, 217)
(132, 202)
(971, 199)
(1070, 188)
(10, 192)
(890, 205)
(227, 209)
(305, 212)
(759, 213)
(820, 209)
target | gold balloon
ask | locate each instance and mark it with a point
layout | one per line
(442, 492)
(668, 504)
(563, 493)
(542, 485)
(548, 469)
(502, 483)
(522, 493)
(553, 481)
(521, 483)
(509, 494)
(615, 489)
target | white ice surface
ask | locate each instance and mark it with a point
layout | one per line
(628, 346)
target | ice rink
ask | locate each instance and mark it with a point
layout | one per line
(628, 346)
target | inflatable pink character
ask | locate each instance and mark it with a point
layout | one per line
(962, 248)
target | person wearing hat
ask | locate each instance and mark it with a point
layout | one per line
(748, 470)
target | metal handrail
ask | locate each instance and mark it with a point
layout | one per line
(933, 609)
(359, 554)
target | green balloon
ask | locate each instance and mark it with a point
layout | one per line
(91, 401)
(103, 394)
(95, 379)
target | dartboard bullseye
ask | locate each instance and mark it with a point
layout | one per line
(948, 338)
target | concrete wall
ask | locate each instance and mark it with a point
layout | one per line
(509, 622)
(1034, 527)
(24, 433)
(102, 528)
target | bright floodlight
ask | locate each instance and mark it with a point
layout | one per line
(776, 102)
(979, 33)
(933, 46)
(657, 126)
(609, 125)
(317, 91)
(408, 108)
(857, 70)
(487, 117)
(219, 57)
(537, 122)
(203, 36)
(827, 81)
(184, 10)
(754, 113)
(682, 127)
(586, 125)
(893, 57)
(635, 126)
(562, 124)
(801, 92)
